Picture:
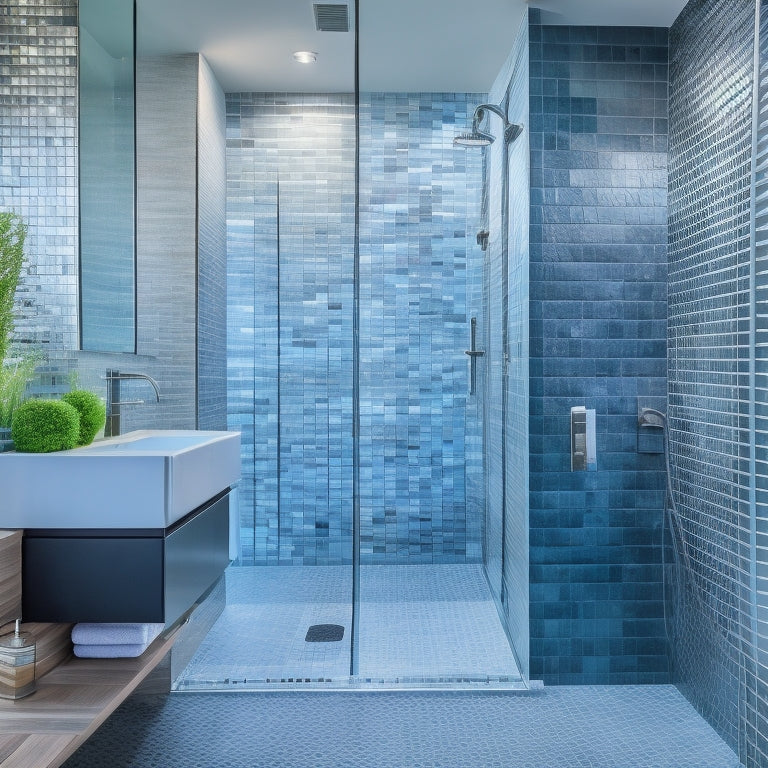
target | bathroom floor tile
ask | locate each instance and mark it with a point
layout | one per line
(559, 727)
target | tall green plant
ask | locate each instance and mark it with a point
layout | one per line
(12, 235)
(14, 377)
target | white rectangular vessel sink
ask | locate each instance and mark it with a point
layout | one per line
(144, 479)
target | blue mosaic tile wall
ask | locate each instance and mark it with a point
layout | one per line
(38, 161)
(716, 414)
(290, 264)
(598, 136)
(754, 706)
(290, 245)
(418, 196)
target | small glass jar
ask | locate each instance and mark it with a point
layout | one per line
(17, 664)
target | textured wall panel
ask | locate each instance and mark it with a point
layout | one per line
(598, 338)
(166, 232)
(211, 253)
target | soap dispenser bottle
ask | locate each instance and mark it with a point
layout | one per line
(17, 664)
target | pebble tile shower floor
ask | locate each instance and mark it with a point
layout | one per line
(559, 727)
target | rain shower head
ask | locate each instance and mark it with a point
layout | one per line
(475, 138)
(479, 138)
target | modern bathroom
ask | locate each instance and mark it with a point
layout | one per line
(479, 287)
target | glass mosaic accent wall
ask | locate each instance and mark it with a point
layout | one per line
(291, 205)
(598, 135)
(715, 408)
(290, 229)
(38, 172)
(418, 196)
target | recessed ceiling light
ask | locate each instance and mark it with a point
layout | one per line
(305, 57)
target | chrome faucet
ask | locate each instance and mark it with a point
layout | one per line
(112, 427)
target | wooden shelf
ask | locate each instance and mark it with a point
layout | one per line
(71, 702)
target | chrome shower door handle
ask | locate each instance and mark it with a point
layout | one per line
(473, 353)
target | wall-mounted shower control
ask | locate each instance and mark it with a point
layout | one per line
(473, 353)
(583, 439)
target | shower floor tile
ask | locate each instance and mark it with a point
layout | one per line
(417, 622)
(430, 621)
(260, 635)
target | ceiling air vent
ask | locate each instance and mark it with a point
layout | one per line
(331, 17)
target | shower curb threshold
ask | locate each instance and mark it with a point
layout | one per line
(354, 685)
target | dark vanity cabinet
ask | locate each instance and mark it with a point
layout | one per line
(124, 575)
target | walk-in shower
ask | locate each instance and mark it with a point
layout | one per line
(356, 286)
(423, 612)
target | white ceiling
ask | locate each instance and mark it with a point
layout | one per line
(610, 13)
(405, 45)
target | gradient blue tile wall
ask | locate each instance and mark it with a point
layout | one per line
(291, 207)
(598, 235)
(714, 439)
(418, 196)
(290, 229)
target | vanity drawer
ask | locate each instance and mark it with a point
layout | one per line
(151, 575)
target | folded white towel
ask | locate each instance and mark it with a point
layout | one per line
(115, 634)
(123, 651)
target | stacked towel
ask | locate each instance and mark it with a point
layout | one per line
(112, 641)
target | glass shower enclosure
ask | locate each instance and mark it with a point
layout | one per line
(358, 297)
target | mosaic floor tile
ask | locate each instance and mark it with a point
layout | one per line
(416, 622)
(561, 727)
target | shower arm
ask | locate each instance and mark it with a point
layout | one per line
(480, 112)
(511, 130)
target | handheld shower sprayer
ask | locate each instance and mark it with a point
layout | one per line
(650, 417)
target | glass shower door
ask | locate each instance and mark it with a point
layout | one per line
(288, 613)
(426, 613)
(301, 358)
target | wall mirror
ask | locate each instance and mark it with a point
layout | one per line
(107, 176)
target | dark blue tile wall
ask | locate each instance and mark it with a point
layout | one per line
(598, 135)
(716, 414)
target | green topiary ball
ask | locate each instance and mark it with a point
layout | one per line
(42, 426)
(93, 413)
